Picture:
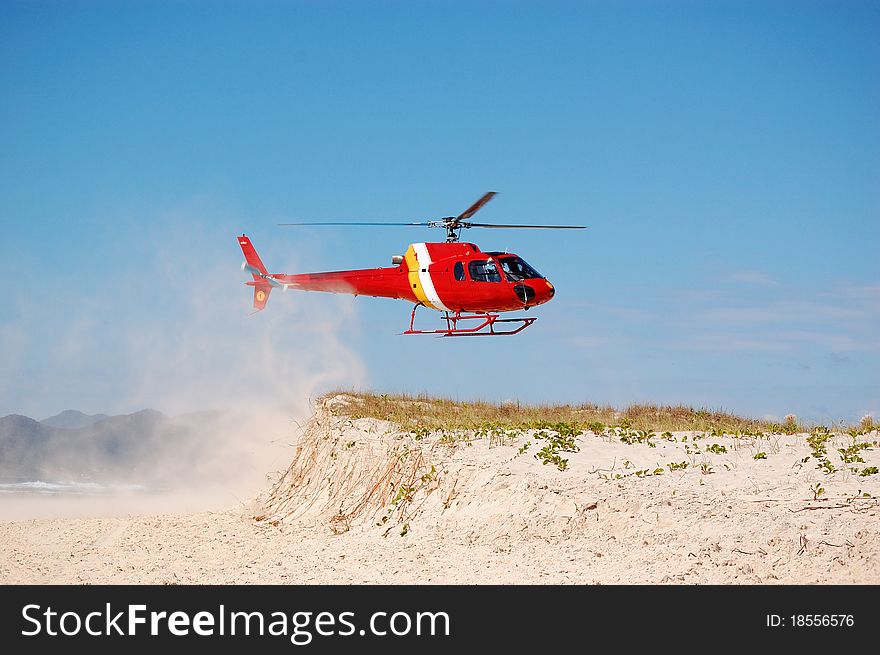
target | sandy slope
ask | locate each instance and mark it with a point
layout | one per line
(487, 514)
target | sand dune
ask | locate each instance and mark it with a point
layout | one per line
(363, 502)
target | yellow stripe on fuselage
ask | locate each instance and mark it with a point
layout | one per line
(412, 265)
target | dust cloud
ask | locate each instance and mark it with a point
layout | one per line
(180, 337)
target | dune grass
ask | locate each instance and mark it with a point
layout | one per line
(422, 412)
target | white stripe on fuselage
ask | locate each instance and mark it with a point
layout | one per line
(427, 283)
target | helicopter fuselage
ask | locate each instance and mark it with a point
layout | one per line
(448, 277)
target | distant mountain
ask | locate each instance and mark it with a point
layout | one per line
(72, 419)
(144, 447)
(22, 444)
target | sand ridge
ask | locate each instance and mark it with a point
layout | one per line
(364, 502)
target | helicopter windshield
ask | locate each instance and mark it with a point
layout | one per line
(516, 269)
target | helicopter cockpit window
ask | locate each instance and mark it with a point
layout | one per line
(484, 271)
(516, 269)
(458, 270)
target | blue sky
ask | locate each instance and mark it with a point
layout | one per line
(725, 155)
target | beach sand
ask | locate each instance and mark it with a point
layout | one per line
(365, 503)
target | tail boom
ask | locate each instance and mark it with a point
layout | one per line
(377, 282)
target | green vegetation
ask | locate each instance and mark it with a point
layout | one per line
(630, 437)
(851, 455)
(556, 443)
(827, 466)
(596, 427)
(453, 422)
(817, 441)
(425, 413)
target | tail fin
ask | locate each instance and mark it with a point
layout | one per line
(254, 265)
(250, 255)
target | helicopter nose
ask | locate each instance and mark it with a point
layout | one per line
(535, 292)
(525, 293)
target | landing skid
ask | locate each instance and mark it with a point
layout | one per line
(486, 328)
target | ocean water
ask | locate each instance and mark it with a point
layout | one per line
(22, 500)
(40, 487)
(47, 499)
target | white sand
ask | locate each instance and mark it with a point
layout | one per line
(489, 515)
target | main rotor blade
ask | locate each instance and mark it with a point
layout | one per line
(352, 223)
(546, 227)
(473, 209)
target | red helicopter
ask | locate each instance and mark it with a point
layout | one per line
(458, 279)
